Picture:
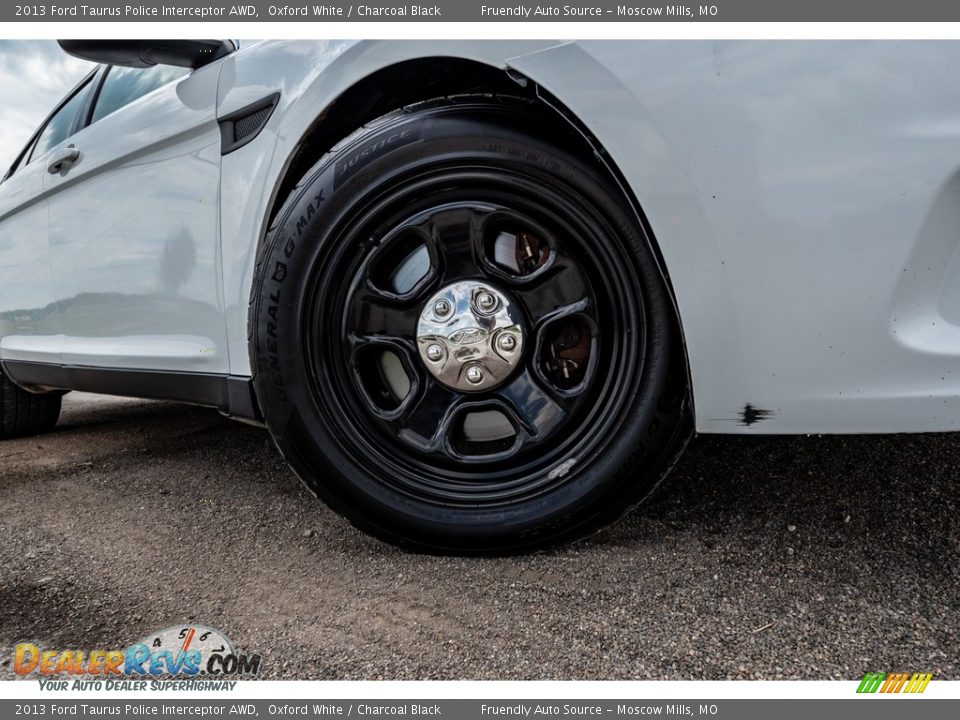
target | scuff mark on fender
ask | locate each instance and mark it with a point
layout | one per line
(751, 415)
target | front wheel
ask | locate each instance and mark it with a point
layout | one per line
(461, 338)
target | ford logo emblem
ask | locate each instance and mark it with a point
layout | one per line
(467, 336)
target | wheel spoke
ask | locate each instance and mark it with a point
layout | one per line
(537, 411)
(373, 315)
(426, 420)
(455, 235)
(561, 289)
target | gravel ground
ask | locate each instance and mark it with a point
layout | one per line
(762, 558)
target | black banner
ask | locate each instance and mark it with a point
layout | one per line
(328, 11)
(404, 709)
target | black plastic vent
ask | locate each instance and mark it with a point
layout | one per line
(240, 127)
(250, 124)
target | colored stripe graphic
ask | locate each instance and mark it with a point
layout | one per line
(870, 683)
(918, 683)
(894, 682)
(891, 682)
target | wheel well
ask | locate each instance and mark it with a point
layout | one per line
(386, 90)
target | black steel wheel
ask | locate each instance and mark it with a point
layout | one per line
(462, 340)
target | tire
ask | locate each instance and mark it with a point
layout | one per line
(429, 210)
(23, 413)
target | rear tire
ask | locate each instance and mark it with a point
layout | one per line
(23, 413)
(413, 206)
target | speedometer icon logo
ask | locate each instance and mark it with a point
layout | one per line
(191, 650)
(184, 638)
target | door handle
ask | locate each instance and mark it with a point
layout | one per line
(63, 159)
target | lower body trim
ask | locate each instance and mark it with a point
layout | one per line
(230, 394)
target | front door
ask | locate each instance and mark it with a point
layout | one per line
(133, 226)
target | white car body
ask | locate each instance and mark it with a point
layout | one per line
(804, 197)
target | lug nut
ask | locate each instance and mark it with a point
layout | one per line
(474, 375)
(486, 301)
(435, 353)
(507, 342)
(442, 308)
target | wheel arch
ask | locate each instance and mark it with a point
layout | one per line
(384, 90)
(413, 79)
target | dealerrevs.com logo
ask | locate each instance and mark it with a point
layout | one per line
(174, 658)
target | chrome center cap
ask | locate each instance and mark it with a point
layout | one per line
(470, 336)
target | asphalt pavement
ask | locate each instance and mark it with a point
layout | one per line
(758, 558)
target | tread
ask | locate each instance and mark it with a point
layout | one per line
(23, 413)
